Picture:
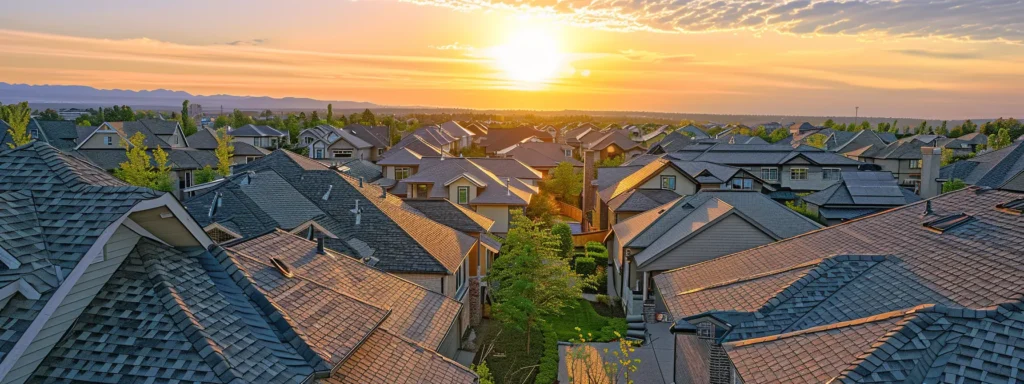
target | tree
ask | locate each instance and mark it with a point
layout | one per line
(224, 151)
(330, 114)
(314, 119)
(778, 135)
(221, 121)
(816, 140)
(161, 179)
(565, 183)
(484, 372)
(563, 233)
(368, 118)
(136, 169)
(188, 125)
(530, 279)
(49, 115)
(612, 162)
(17, 116)
(585, 365)
(999, 140)
(239, 118)
(943, 130)
(205, 175)
(953, 185)
(542, 209)
(760, 132)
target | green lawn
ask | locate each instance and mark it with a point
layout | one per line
(584, 316)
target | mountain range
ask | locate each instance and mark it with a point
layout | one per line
(83, 96)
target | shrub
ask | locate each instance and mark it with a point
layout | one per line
(595, 247)
(603, 299)
(548, 371)
(953, 185)
(585, 266)
(564, 235)
(598, 252)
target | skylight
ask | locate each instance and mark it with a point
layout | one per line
(1015, 207)
(946, 223)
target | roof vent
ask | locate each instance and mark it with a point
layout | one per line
(946, 223)
(508, 191)
(360, 181)
(1015, 207)
(216, 203)
(927, 209)
(383, 192)
(319, 245)
(327, 195)
(358, 212)
(282, 267)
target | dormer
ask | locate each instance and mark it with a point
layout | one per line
(107, 136)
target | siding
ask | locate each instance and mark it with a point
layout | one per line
(96, 141)
(684, 187)
(430, 282)
(453, 190)
(730, 235)
(498, 213)
(117, 248)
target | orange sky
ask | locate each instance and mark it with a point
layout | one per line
(769, 57)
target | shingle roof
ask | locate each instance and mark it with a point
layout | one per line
(409, 151)
(403, 240)
(439, 172)
(613, 137)
(543, 155)
(973, 265)
(359, 168)
(388, 358)
(60, 134)
(640, 200)
(755, 154)
(376, 136)
(455, 129)
(991, 169)
(415, 312)
(252, 130)
(452, 215)
(864, 189)
(675, 141)
(499, 139)
(630, 181)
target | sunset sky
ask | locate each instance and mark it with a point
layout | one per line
(913, 58)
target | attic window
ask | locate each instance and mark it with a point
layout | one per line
(283, 267)
(1015, 207)
(706, 330)
(946, 223)
(219, 236)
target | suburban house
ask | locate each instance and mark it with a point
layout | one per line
(130, 288)
(490, 187)
(858, 194)
(61, 134)
(206, 139)
(613, 143)
(289, 192)
(438, 137)
(614, 183)
(575, 136)
(478, 129)
(673, 141)
(644, 138)
(694, 132)
(332, 145)
(545, 156)
(902, 158)
(992, 169)
(261, 136)
(163, 133)
(804, 168)
(501, 141)
(403, 159)
(464, 137)
(844, 141)
(691, 230)
(927, 292)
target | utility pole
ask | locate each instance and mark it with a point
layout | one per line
(856, 114)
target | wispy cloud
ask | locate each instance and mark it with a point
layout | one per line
(456, 46)
(250, 42)
(966, 20)
(938, 54)
(654, 57)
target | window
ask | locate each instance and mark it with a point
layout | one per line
(832, 173)
(107, 140)
(318, 153)
(488, 255)
(769, 173)
(402, 172)
(568, 153)
(249, 159)
(380, 151)
(463, 195)
(745, 184)
(668, 182)
(706, 330)
(798, 173)
(34, 133)
(460, 276)
(342, 153)
(916, 164)
(309, 140)
(421, 191)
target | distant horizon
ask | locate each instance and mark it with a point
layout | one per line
(427, 108)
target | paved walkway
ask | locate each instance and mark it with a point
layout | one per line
(656, 363)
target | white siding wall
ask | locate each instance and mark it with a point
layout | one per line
(117, 248)
(730, 235)
(684, 187)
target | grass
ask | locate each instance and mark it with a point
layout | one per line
(584, 316)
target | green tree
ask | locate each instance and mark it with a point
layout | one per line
(314, 119)
(953, 185)
(330, 114)
(368, 118)
(829, 123)
(485, 373)
(239, 118)
(565, 183)
(531, 280)
(778, 135)
(49, 115)
(221, 121)
(611, 162)
(542, 209)
(224, 151)
(563, 233)
(999, 140)
(137, 168)
(161, 178)
(760, 132)
(17, 116)
(188, 125)
(205, 175)
(816, 140)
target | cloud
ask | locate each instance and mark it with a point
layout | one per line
(938, 55)
(966, 20)
(654, 57)
(251, 42)
(453, 47)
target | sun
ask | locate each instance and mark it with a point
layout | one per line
(530, 55)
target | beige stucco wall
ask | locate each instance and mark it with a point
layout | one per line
(684, 187)
(498, 213)
(453, 190)
(96, 141)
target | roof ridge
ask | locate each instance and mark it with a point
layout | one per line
(753, 277)
(828, 327)
(434, 353)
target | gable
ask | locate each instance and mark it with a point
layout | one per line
(729, 235)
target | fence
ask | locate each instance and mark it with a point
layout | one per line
(569, 211)
(580, 240)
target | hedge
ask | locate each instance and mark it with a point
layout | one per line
(595, 247)
(585, 266)
(548, 371)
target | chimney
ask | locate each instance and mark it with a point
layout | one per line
(320, 245)
(931, 160)
(588, 191)
(360, 181)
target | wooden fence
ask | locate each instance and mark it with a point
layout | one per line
(569, 211)
(580, 240)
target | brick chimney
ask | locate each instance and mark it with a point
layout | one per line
(931, 160)
(589, 192)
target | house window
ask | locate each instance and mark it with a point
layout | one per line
(488, 255)
(34, 133)
(421, 191)
(706, 330)
(769, 173)
(568, 153)
(343, 153)
(318, 153)
(460, 276)
(798, 174)
(309, 140)
(380, 151)
(668, 182)
(107, 140)
(402, 172)
(745, 184)
(249, 159)
(832, 173)
(463, 195)
(916, 164)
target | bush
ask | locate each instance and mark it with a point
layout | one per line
(602, 282)
(585, 266)
(603, 299)
(564, 235)
(595, 247)
(548, 371)
(598, 252)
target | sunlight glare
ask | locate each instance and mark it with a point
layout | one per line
(530, 55)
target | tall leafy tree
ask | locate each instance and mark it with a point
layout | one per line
(137, 168)
(221, 121)
(162, 172)
(224, 151)
(17, 116)
(563, 233)
(239, 118)
(50, 115)
(778, 135)
(816, 140)
(368, 118)
(188, 125)
(330, 114)
(531, 279)
(565, 183)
